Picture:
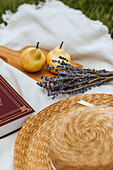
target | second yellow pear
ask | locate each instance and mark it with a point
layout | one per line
(54, 55)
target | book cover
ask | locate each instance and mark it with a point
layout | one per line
(12, 105)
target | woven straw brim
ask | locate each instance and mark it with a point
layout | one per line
(32, 144)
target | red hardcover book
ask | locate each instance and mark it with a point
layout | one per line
(14, 110)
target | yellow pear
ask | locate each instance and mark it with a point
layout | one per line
(33, 59)
(54, 55)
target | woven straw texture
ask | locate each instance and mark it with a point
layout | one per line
(32, 143)
(83, 139)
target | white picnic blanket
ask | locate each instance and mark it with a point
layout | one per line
(87, 41)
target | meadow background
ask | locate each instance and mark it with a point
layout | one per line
(101, 10)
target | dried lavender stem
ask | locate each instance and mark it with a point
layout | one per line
(90, 85)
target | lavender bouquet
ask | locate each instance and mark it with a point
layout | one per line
(73, 80)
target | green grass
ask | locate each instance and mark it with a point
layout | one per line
(95, 9)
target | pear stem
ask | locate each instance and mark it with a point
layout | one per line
(37, 45)
(61, 44)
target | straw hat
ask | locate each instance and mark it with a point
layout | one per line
(60, 134)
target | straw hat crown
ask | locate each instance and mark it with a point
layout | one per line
(83, 139)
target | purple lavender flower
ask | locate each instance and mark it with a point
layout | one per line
(73, 80)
